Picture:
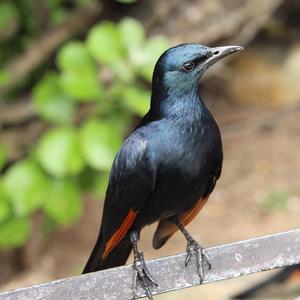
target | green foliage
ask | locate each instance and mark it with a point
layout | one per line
(8, 15)
(89, 104)
(5, 209)
(105, 44)
(152, 50)
(136, 99)
(100, 141)
(276, 200)
(63, 204)
(78, 76)
(57, 12)
(23, 21)
(3, 155)
(74, 56)
(126, 1)
(102, 185)
(4, 76)
(14, 232)
(25, 185)
(52, 103)
(59, 152)
(131, 28)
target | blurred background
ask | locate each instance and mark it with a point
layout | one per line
(75, 77)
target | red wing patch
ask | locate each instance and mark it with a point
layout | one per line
(295, 276)
(166, 229)
(187, 217)
(120, 233)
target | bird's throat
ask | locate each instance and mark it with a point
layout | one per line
(188, 107)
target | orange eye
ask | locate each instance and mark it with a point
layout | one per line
(188, 66)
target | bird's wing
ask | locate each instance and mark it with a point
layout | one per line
(131, 182)
(165, 228)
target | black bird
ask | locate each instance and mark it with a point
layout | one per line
(167, 168)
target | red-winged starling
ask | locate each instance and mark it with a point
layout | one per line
(166, 169)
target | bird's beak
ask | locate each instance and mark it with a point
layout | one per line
(219, 53)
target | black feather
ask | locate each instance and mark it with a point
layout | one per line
(172, 159)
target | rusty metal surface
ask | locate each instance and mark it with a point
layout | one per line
(228, 261)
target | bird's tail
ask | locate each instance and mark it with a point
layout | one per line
(117, 257)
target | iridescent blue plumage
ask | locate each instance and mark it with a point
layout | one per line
(167, 167)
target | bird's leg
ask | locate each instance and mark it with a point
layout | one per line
(141, 271)
(194, 247)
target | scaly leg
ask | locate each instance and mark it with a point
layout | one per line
(141, 271)
(194, 247)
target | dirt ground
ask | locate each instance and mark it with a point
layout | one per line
(261, 155)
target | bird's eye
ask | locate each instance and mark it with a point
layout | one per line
(188, 66)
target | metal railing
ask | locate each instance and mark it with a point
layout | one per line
(228, 261)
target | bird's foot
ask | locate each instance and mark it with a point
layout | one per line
(201, 257)
(142, 274)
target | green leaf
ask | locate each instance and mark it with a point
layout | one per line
(51, 102)
(137, 100)
(126, 1)
(9, 16)
(56, 13)
(59, 152)
(14, 233)
(105, 43)
(3, 155)
(81, 85)
(276, 200)
(154, 47)
(58, 17)
(103, 183)
(132, 33)
(93, 182)
(79, 77)
(4, 77)
(88, 179)
(124, 72)
(85, 2)
(5, 209)
(63, 205)
(25, 184)
(100, 140)
(74, 56)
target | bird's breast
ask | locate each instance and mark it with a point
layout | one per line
(186, 149)
(184, 158)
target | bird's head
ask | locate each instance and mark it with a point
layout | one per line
(180, 68)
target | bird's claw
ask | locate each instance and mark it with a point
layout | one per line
(201, 257)
(142, 274)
